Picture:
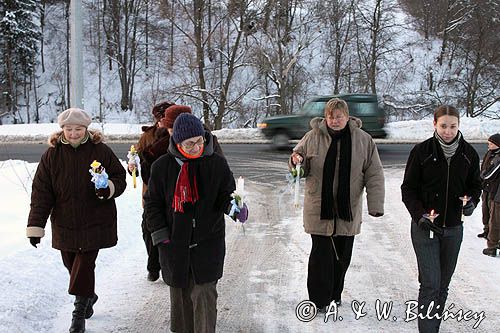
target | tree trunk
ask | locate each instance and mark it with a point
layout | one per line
(68, 81)
(377, 14)
(200, 58)
(42, 26)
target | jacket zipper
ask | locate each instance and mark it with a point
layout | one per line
(446, 197)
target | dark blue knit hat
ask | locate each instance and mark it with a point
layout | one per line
(187, 126)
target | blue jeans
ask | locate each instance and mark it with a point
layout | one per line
(436, 259)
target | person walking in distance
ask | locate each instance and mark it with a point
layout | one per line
(490, 177)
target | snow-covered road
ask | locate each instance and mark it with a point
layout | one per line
(264, 278)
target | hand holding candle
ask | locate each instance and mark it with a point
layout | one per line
(431, 217)
(296, 197)
(467, 206)
(99, 175)
(240, 212)
(133, 159)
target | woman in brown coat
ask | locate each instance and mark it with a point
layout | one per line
(165, 114)
(340, 160)
(83, 218)
(151, 135)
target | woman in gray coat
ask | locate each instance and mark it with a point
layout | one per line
(339, 161)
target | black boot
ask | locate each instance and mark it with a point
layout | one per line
(484, 234)
(90, 309)
(78, 321)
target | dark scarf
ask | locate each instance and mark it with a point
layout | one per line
(343, 211)
(186, 188)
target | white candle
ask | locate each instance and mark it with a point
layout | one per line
(240, 185)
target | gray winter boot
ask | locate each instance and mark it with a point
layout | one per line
(90, 307)
(78, 321)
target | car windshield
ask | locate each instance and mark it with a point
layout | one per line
(314, 108)
(317, 108)
(363, 109)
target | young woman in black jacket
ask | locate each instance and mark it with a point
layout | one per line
(440, 172)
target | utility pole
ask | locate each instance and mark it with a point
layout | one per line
(76, 56)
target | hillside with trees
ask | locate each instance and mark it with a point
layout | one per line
(237, 61)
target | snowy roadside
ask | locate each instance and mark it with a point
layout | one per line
(264, 278)
(475, 130)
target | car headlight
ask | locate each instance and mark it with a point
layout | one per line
(262, 125)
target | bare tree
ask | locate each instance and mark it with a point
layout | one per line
(378, 21)
(289, 28)
(479, 75)
(215, 33)
(120, 20)
(337, 18)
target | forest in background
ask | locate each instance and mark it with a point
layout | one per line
(237, 61)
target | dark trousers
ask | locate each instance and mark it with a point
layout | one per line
(436, 259)
(486, 207)
(153, 256)
(491, 220)
(81, 268)
(328, 263)
(194, 309)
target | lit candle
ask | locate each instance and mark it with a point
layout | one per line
(432, 216)
(464, 199)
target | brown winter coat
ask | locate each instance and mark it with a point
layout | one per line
(490, 174)
(366, 171)
(63, 190)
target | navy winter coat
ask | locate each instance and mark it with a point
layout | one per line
(197, 236)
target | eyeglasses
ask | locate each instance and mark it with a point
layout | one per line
(190, 145)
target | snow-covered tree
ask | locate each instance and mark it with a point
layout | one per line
(19, 37)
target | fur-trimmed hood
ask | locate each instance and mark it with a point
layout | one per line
(96, 137)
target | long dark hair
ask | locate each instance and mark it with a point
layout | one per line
(446, 110)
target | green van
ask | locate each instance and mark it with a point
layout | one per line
(281, 129)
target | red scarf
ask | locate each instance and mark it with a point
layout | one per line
(183, 190)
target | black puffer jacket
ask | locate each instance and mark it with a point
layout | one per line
(430, 183)
(197, 236)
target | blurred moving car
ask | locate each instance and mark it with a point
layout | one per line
(282, 129)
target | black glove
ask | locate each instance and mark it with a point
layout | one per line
(376, 214)
(426, 224)
(468, 209)
(102, 193)
(34, 241)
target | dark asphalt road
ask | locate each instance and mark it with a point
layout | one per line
(391, 154)
(256, 162)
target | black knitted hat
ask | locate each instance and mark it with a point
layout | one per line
(495, 138)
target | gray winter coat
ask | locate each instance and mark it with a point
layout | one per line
(366, 172)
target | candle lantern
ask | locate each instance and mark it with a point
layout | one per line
(431, 217)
